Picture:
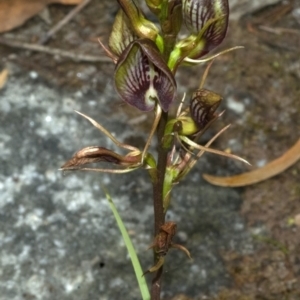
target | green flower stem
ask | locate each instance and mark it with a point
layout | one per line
(169, 40)
(169, 32)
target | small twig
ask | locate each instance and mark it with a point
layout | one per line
(53, 51)
(274, 15)
(3, 78)
(279, 30)
(63, 22)
(108, 52)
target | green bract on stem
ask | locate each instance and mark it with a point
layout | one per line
(146, 60)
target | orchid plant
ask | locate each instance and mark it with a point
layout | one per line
(147, 57)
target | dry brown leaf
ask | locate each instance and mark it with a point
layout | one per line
(3, 78)
(14, 13)
(273, 168)
(66, 2)
(297, 220)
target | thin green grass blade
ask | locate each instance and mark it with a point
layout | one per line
(134, 259)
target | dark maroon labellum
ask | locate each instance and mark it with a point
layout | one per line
(203, 106)
(142, 77)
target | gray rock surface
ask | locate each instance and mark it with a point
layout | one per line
(58, 237)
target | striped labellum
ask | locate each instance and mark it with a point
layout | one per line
(142, 77)
(203, 105)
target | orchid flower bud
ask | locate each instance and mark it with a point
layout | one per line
(154, 5)
(203, 106)
(142, 78)
(196, 14)
(207, 21)
(183, 125)
(187, 126)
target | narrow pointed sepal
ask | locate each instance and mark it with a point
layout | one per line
(142, 78)
(95, 154)
(157, 266)
(122, 34)
(183, 249)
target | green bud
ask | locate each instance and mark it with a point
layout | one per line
(154, 6)
(142, 27)
(181, 50)
(188, 126)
